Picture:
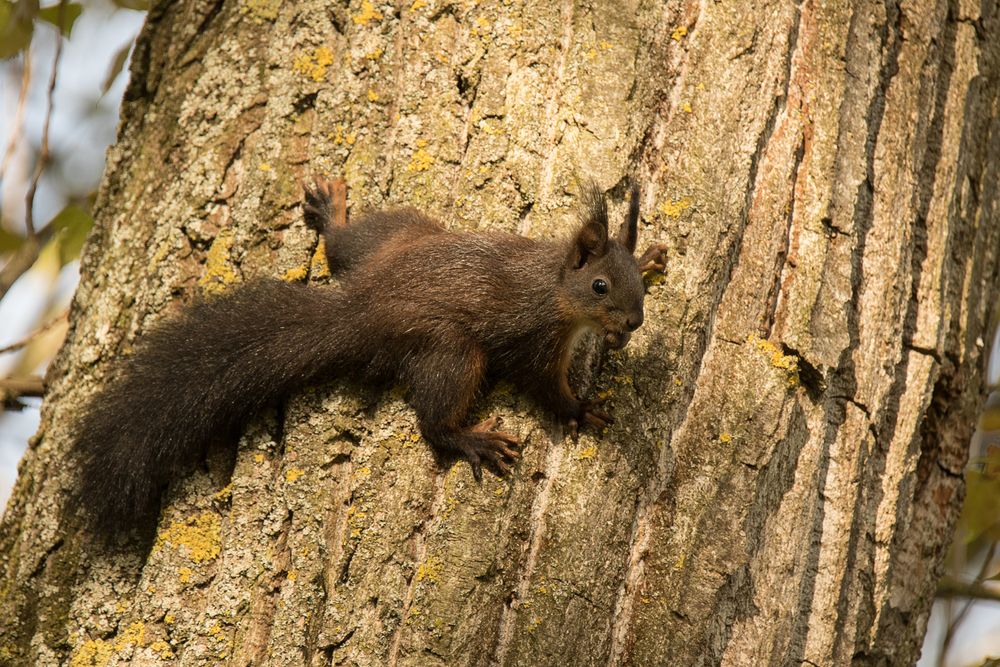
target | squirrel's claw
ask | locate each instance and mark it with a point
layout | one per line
(598, 418)
(654, 259)
(496, 447)
(590, 415)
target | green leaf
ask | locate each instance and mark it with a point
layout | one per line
(16, 26)
(62, 16)
(71, 226)
(9, 241)
(981, 513)
(117, 63)
(141, 5)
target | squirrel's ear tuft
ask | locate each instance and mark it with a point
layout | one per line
(591, 241)
(628, 235)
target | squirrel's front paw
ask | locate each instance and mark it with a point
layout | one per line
(654, 259)
(591, 414)
(493, 446)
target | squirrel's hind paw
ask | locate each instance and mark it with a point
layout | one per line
(319, 204)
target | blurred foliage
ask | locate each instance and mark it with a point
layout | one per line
(980, 522)
(60, 238)
(18, 20)
(71, 225)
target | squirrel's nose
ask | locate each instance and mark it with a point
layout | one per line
(634, 322)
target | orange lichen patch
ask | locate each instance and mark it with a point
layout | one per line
(421, 160)
(295, 275)
(673, 208)
(261, 10)
(200, 537)
(318, 265)
(355, 520)
(293, 474)
(786, 362)
(224, 494)
(372, 96)
(133, 636)
(219, 272)
(725, 438)
(588, 453)
(162, 649)
(367, 13)
(679, 33)
(686, 107)
(418, 4)
(430, 570)
(652, 278)
(92, 653)
(314, 65)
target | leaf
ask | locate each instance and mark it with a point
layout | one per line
(16, 26)
(68, 12)
(117, 63)
(981, 513)
(140, 5)
(9, 241)
(71, 226)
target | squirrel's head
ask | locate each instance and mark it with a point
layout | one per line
(601, 274)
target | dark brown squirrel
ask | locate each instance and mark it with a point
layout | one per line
(440, 312)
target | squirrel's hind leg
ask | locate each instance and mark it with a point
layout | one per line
(444, 383)
(348, 245)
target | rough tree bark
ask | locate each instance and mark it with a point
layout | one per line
(787, 463)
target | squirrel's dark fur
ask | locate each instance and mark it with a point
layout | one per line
(438, 311)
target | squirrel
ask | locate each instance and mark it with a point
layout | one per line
(463, 309)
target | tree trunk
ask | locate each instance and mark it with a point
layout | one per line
(792, 420)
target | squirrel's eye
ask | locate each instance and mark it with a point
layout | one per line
(600, 286)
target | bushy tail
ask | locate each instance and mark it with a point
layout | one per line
(196, 378)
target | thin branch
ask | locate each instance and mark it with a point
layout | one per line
(43, 155)
(953, 588)
(31, 385)
(14, 347)
(18, 125)
(956, 620)
(23, 259)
